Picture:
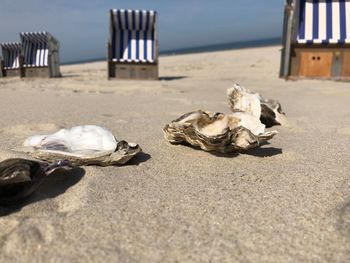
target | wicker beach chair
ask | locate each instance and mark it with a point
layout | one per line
(133, 45)
(10, 64)
(316, 39)
(40, 52)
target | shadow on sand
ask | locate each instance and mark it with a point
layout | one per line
(139, 158)
(170, 78)
(257, 152)
(344, 219)
(264, 152)
(70, 75)
(54, 185)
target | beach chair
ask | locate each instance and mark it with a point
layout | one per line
(133, 44)
(1, 67)
(40, 52)
(10, 64)
(316, 39)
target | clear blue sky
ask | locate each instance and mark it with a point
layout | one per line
(81, 26)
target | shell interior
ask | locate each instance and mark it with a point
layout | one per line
(217, 131)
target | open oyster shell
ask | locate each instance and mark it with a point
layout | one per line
(20, 177)
(243, 100)
(219, 132)
(81, 145)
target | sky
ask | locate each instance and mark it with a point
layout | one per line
(82, 26)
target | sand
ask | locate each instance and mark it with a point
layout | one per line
(288, 201)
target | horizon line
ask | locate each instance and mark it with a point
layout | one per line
(265, 42)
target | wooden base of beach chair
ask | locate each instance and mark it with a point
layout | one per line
(12, 73)
(296, 78)
(133, 71)
(43, 72)
(320, 62)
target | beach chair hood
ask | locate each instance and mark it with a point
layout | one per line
(11, 54)
(133, 36)
(35, 49)
(322, 22)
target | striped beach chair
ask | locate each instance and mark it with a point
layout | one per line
(11, 59)
(2, 72)
(323, 22)
(133, 45)
(316, 39)
(40, 51)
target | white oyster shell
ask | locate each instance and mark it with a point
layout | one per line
(76, 139)
(81, 145)
(217, 131)
(241, 99)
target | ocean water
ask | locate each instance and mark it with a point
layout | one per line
(208, 48)
(225, 46)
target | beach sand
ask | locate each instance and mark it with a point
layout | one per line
(288, 201)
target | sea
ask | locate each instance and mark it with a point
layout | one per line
(225, 46)
(208, 48)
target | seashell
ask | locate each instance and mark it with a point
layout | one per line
(242, 99)
(20, 177)
(82, 145)
(219, 132)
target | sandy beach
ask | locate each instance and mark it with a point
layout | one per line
(288, 201)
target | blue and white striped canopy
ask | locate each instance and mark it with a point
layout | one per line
(35, 49)
(133, 35)
(324, 21)
(10, 54)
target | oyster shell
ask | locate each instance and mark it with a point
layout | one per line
(219, 132)
(242, 99)
(82, 145)
(20, 177)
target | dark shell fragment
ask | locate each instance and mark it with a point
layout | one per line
(20, 177)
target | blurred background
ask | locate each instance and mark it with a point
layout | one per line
(183, 25)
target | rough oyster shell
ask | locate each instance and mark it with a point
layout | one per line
(219, 132)
(20, 177)
(81, 145)
(242, 99)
